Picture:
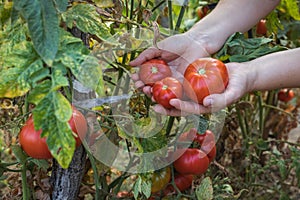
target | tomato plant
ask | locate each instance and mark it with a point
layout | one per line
(261, 28)
(36, 147)
(205, 76)
(285, 95)
(165, 90)
(154, 70)
(182, 182)
(160, 179)
(192, 161)
(32, 143)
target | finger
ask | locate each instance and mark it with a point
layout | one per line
(189, 107)
(170, 112)
(148, 54)
(139, 84)
(135, 77)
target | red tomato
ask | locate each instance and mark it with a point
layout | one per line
(203, 77)
(165, 90)
(208, 144)
(285, 95)
(202, 11)
(182, 182)
(32, 143)
(78, 125)
(36, 147)
(154, 70)
(160, 179)
(261, 28)
(192, 161)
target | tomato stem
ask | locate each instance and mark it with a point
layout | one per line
(154, 69)
(164, 87)
(201, 71)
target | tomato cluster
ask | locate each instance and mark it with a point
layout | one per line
(202, 77)
(36, 147)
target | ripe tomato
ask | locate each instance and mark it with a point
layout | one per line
(202, 11)
(154, 70)
(78, 125)
(165, 90)
(160, 179)
(36, 147)
(285, 95)
(261, 28)
(32, 143)
(192, 161)
(203, 77)
(208, 144)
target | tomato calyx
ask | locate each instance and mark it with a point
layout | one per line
(201, 71)
(154, 69)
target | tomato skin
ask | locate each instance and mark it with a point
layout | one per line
(154, 70)
(192, 161)
(160, 179)
(285, 95)
(203, 77)
(36, 147)
(202, 11)
(261, 28)
(208, 145)
(32, 143)
(165, 90)
(78, 125)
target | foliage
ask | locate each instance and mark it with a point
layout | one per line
(41, 56)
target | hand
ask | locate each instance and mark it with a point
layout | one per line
(240, 82)
(178, 51)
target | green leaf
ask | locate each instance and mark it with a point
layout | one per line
(39, 92)
(205, 190)
(137, 187)
(146, 188)
(282, 168)
(5, 11)
(240, 49)
(19, 153)
(292, 8)
(26, 68)
(43, 25)
(87, 20)
(51, 115)
(61, 5)
(41, 163)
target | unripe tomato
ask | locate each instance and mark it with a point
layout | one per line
(165, 90)
(285, 95)
(261, 28)
(154, 70)
(36, 147)
(192, 161)
(203, 77)
(160, 179)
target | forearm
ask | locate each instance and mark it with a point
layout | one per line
(277, 70)
(228, 17)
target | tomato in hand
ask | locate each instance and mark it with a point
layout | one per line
(36, 147)
(32, 143)
(285, 95)
(192, 161)
(203, 77)
(154, 70)
(160, 179)
(165, 90)
(261, 28)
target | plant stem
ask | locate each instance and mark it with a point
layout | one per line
(158, 5)
(25, 189)
(169, 125)
(180, 17)
(170, 14)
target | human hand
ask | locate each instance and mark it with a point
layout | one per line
(178, 51)
(240, 82)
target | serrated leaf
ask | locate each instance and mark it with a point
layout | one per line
(61, 5)
(137, 187)
(87, 20)
(43, 25)
(241, 49)
(205, 190)
(19, 153)
(292, 8)
(51, 115)
(39, 92)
